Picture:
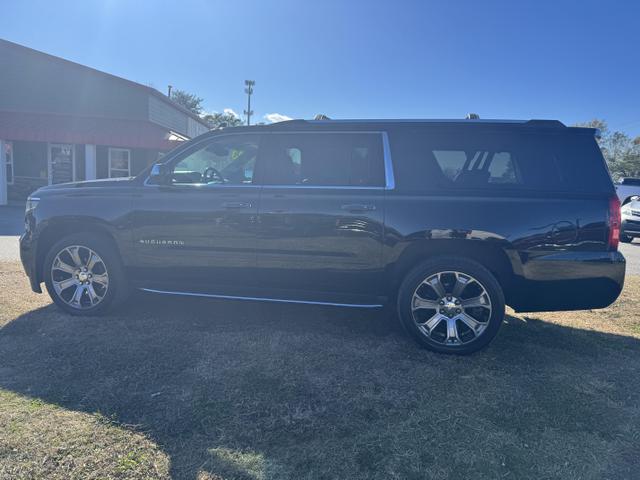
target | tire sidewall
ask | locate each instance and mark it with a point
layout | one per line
(469, 267)
(107, 252)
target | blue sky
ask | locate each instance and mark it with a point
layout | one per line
(568, 60)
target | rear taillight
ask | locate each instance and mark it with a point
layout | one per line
(614, 222)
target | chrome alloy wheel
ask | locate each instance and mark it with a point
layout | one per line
(451, 308)
(79, 277)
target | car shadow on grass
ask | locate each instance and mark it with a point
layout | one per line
(249, 390)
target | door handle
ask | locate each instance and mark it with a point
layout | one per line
(358, 207)
(236, 205)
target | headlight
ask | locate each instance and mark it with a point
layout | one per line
(32, 203)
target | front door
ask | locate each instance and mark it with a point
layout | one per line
(197, 231)
(62, 165)
(321, 216)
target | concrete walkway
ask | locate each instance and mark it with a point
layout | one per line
(11, 227)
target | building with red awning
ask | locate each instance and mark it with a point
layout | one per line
(61, 122)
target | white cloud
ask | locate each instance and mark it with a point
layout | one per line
(276, 117)
(230, 111)
(226, 111)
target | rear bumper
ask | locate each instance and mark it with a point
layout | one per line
(569, 281)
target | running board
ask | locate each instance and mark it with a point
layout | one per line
(260, 299)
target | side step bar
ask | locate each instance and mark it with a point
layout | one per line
(260, 299)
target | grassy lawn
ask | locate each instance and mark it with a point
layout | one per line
(193, 389)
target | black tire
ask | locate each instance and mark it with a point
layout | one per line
(625, 238)
(484, 279)
(118, 289)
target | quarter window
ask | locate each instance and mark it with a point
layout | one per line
(119, 162)
(323, 159)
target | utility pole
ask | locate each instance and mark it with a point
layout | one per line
(169, 87)
(249, 90)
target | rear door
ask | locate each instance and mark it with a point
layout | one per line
(198, 231)
(321, 215)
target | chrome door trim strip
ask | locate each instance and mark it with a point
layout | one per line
(260, 299)
(322, 187)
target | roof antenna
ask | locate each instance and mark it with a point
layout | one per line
(321, 116)
(472, 116)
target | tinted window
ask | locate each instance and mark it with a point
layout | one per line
(226, 160)
(477, 167)
(462, 158)
(323, 159)
(579, 160)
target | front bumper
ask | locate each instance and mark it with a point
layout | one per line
(28, 257)
(631, 227)
(569, 281)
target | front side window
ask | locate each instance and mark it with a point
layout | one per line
(119, 162)
(323, 159)
(225, 160)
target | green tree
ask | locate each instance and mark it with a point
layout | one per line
(224, 119)
(621, 152)
(188, 100)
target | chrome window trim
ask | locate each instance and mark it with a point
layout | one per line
(322, 187)
(386, 156)
(260, 299)
(390, 181)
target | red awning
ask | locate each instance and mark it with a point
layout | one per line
(53, 128)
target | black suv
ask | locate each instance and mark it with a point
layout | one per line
(446, 220)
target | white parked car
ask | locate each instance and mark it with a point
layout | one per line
(630, 220)
(627, 188)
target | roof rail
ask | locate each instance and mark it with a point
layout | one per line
(529, 123)
(546, 123)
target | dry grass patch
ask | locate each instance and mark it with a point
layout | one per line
(41, 440)
(226, 390)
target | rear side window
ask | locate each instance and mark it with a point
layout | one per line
(479, 167)
(472, 159)
(322, 159)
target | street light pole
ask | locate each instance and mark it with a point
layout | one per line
(249, 90)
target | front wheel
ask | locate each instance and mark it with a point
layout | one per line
(451, 305)
(84, 275)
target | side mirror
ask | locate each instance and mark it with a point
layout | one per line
(158, 174)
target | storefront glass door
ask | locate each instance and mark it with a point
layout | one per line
(62, 166)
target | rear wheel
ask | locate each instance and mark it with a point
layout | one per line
(84, 275)
(625, 238)
(451, 305)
